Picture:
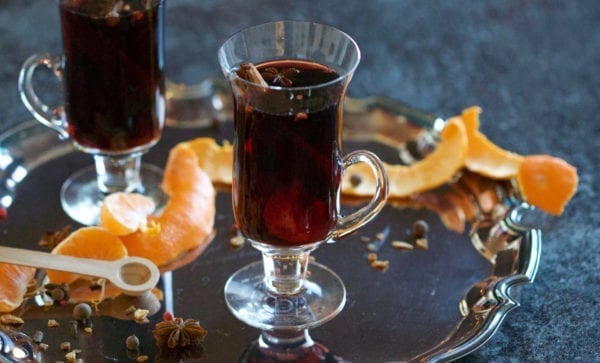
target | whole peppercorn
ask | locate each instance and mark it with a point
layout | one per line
(132, 342)
(82, 311)
(57, 294)
(420, 228)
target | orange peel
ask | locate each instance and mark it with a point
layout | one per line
(187, 221)
(435, 169)
(216, 160)
(544, 181)
(483, 156)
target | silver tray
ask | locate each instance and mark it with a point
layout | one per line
(437, 304)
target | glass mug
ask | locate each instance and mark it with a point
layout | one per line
(112, 73)
(288, 81)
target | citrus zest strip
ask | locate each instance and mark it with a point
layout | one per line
(435, 169)
(483, 156)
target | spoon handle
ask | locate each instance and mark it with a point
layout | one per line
(44, 260)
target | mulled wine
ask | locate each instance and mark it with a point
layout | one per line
(113, 73)
(288, 163)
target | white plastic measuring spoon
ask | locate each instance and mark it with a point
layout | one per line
(132, 275)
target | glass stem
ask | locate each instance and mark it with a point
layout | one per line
(285, 273)
(286, 339)
(119, 173)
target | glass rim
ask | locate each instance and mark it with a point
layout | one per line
(343, 75)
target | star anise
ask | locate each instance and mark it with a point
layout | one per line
(279, 77)
(178, 333)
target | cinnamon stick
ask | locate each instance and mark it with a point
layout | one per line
(249, 72)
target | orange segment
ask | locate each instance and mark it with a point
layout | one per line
(188, 217)
(547, 182)
(87, 242)
(434, 170)
(125, 213)
(485, 157)
(13, 285)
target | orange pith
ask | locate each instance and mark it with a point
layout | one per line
(13, 285)
(187, 220)
(483, 156)
(125, 213)
(87, 242)
(547, 182)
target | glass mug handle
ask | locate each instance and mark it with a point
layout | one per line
(51, 117)
(348, 224)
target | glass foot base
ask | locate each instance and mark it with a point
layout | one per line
(321, 299)
(288, 346)
(81, 198)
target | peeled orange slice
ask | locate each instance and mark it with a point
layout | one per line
(125, 213)
(435, 169)
(87, 242)
(483, 156)
(13, 285)
(187, 221)
(547, 182)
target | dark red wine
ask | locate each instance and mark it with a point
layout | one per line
(287, 166)
(113, 72)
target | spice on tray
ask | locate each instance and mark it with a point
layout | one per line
(82, 311)
(51, 238)
(236, 242)
(178, 333)
(130, 310)
(422, 243)
(402, 246)
(420, 228)
(72, 355)
(132, 342)
(141, 316)
(66, 346)
(372, 257)
(11, 320)
(37, 337)
(59, 293)
(381, 265)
